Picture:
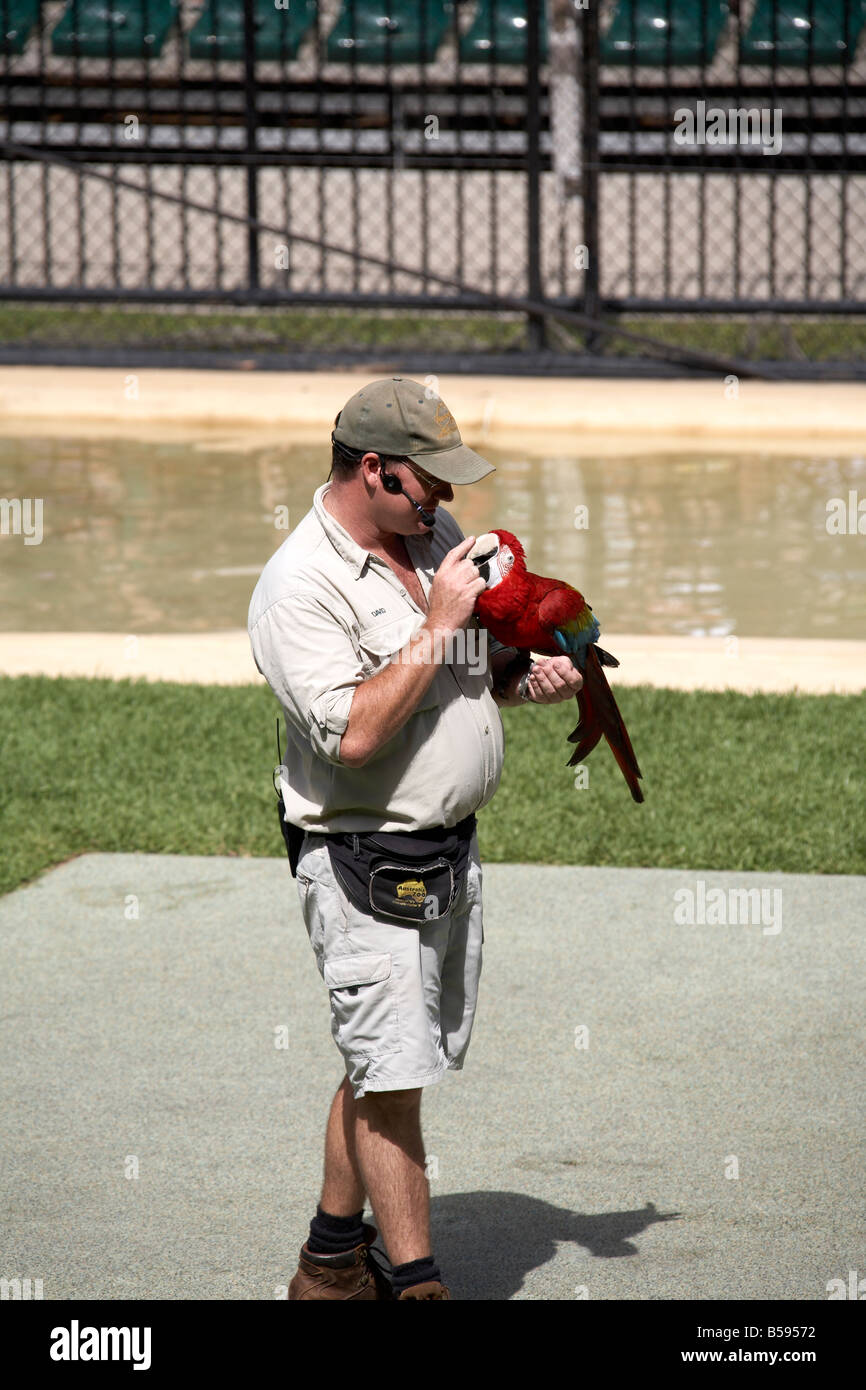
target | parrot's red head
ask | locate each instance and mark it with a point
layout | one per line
(498, 555)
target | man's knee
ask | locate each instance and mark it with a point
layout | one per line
(391, 1102)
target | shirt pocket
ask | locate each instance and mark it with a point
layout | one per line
(386, 640)
(382, 641)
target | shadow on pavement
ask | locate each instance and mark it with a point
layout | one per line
(487, 1242)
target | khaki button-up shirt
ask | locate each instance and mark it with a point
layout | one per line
(326, 615)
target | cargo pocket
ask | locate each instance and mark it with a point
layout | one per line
(364, 1018)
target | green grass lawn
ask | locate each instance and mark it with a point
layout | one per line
(287, 329)
(763, 782)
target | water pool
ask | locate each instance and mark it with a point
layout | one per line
(150, 537)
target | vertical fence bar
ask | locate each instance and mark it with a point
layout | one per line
(216, 142)
(459, 172)
(355, 176)
(844, 172)
(9, 127)
(250, 115)
(535, 325)
(147, 171)
(46, 171)
(591, 172)
(666, 168)
(425, 202)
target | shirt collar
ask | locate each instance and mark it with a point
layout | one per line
(354, 554)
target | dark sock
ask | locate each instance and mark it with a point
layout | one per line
(415, 1272)
(332, 1235)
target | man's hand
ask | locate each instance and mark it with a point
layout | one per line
(455, 587)
(553, 678)
(382, 703)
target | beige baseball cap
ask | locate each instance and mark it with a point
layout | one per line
(398, 417)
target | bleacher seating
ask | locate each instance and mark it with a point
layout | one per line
(645, 33)
(499, 33)
(17, 18)
(219, 30)
(396, 31)
(794, 32)
(653, 33)
(114, 28)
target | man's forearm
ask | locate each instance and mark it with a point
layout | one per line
(382, 703)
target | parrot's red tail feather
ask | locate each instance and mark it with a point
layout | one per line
(585, 747)
(599, 714)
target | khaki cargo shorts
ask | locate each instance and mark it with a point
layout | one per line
(402, 998)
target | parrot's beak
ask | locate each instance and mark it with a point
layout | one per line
(483, 552)
(493, 558)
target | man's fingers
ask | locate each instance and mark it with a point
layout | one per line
(462, 548)
(547, 683)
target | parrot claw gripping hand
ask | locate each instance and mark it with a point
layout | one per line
(532, 613)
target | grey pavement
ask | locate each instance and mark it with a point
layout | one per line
(558, 1171)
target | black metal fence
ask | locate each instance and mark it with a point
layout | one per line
(637, 185)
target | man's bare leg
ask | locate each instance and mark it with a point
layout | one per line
(390, 1152)
(384, 1154)
(343, 1190)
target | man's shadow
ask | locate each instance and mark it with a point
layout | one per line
(495, 1238)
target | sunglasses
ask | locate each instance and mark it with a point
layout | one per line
(429, 483)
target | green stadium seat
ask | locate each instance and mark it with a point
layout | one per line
(784, 32)
(653, 33)
(17, 18)
(397, 31)
(499, 33)
(114, 28)
(219, 30)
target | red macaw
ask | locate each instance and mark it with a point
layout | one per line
(532, 613)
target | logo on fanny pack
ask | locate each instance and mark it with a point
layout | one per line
(412, 890)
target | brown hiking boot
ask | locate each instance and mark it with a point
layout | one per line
(431, 1289)
(354, 1274)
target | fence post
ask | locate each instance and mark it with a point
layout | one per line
(250, 115)
(535, 326)
(591, 156)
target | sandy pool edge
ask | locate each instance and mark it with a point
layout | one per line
(600, 414)
(745, 664)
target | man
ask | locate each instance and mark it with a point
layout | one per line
(362, 623)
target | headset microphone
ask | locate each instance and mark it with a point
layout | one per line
(391, 483)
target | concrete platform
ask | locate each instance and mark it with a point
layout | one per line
(157, 1143)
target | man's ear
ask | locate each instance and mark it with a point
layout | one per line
(367, 461)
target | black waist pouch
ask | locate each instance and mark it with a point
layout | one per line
(411, 876)
(292, 834)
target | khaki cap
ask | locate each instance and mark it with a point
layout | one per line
(398, 418)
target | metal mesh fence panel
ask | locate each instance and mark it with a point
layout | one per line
(634, 184)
